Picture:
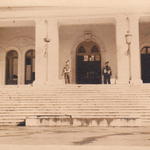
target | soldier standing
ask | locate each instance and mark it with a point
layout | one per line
(107, 73)
(66, 72)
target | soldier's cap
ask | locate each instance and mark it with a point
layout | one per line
(106, 62)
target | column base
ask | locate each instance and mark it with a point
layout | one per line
(38, 83)
(122, 81)
(47, 83)
(55, 82)
(136, 81)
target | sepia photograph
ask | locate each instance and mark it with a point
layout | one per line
(74, 75)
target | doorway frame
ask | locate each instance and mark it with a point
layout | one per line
(76, 42)
(89, 53)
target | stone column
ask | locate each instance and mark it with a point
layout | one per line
(19, 68)
(40, 59)
(23, 68)
(53, 52)
(122, 55)
(2, 66)
(135, 61)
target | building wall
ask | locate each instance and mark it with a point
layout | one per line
(144, 34)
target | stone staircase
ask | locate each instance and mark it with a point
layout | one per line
(84, 105)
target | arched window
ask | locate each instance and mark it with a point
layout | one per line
(29, 66)
(81, 49)
(145, 50)
(11, 67)
(94, 49)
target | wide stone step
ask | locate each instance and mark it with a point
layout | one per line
(76, 100)
(23, 116)
(86, 112)
(80, 100)
(14, 106)
(75, 104)
(11, 123)
(76, 97)
(75, 108)
(76, 94)
(117, 92)
(4, 120)
(131, 100)
(61, 120)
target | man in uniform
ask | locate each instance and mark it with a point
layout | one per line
(66, 72)
(107, 73)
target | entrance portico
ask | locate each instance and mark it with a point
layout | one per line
(63, 39)
(74, 34)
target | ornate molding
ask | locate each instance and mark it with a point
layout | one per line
(90, 37)
(21, 42)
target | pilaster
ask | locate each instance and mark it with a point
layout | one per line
(19, 68)
(53, 52)
(135, 51)
(40, 61)
(122, 55)
(2, 67)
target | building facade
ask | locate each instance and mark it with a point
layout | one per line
(36, 40)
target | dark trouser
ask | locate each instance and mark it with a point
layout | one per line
(107, 79)
(67, 78)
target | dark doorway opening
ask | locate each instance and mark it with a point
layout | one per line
(29, 66)
(145, 64)
(11, 77)
(88, 64)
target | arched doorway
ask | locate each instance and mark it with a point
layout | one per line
(145, 64)
(11, 67)
(29, 66)
(88, 63)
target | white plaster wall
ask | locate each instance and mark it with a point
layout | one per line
(20, 39)
(71, 36)
(144, 34)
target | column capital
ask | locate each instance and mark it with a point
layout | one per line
(136, 81)
(122, 19)
(36, 20)
(134, 17)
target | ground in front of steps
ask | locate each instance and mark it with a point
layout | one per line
(21, 138)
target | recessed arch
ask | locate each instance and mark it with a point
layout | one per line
(11, 76)
(73, 52)
(29, 66)
(81, 50)
(88, 63)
